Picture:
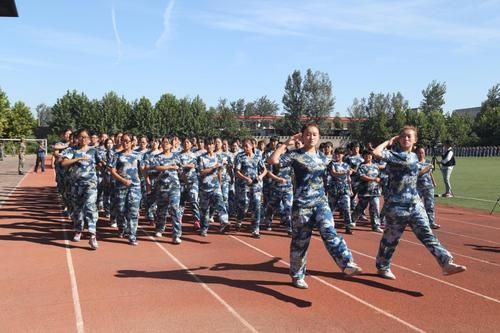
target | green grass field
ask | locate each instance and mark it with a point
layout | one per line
(472, 178)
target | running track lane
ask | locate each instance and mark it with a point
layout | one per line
(232, 282)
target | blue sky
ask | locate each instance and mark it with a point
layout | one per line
(246, 49)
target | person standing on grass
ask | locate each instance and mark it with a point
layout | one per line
(426, 185)
(82, 161)
(403, 205)
(168, 190)
(310, 206)
(127, 189)
(447, 164)
(40, 156)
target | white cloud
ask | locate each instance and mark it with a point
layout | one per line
(167, 18)
(117, 35)
(416, 19)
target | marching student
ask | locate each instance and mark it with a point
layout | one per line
(310, 206)
(189, 181)
(403, 205)
(127, 199)
(280, 196)
(83, 160)
(210, 167)
(151, 175)
(426, 185)
(340, 189)
(369, 191)
(250, 170)
(168, 191)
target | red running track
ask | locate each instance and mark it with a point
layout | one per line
(234, 283)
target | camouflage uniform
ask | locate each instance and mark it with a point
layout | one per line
(402, 207)
(225, 177)
(340, 191)
(107, 157)
(369, 193)
(249, 195)
(425, 190)
(168, 194)
(310, 209)
(210, 192)
(281, 197)
(189, 185)
(21, 155)
(127, 199)
(83, 188)
(150, 201)
(354, 162)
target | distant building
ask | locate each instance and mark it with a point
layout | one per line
(468, 112)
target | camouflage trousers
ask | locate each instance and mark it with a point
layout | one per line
(397, 217)
(190, 192)
(126, 206)
(280, 199)
(303, 222)
(209, 200)
(168, 200)
(249, 196)
(342, 202)
(427, 196)
(84, 196)
(150, 202)
(363, 202)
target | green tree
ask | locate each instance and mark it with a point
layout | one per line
(293, 103)
(225, 121)
(357, 112)
(487, 122)
(168, 116)
(265, 107)
(200, 116)
(238, 106)
(20, 122)
(317, 95)
(4, 109)
(44, 114)
(115, 112)
(67, 111)
(459, 130)
(399, 106)
(433, 97)
(142, 118)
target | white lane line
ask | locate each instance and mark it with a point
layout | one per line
(203, 284)
(429, 277)
(357, 299)
(466, 222)
(457, 254)
(441, 207)
(471, 237)
(74, 287)
(477, 199)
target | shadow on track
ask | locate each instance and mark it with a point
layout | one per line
(259, 286)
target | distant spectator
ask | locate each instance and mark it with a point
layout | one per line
(22, 152)
(447, 164)
(40, 156)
